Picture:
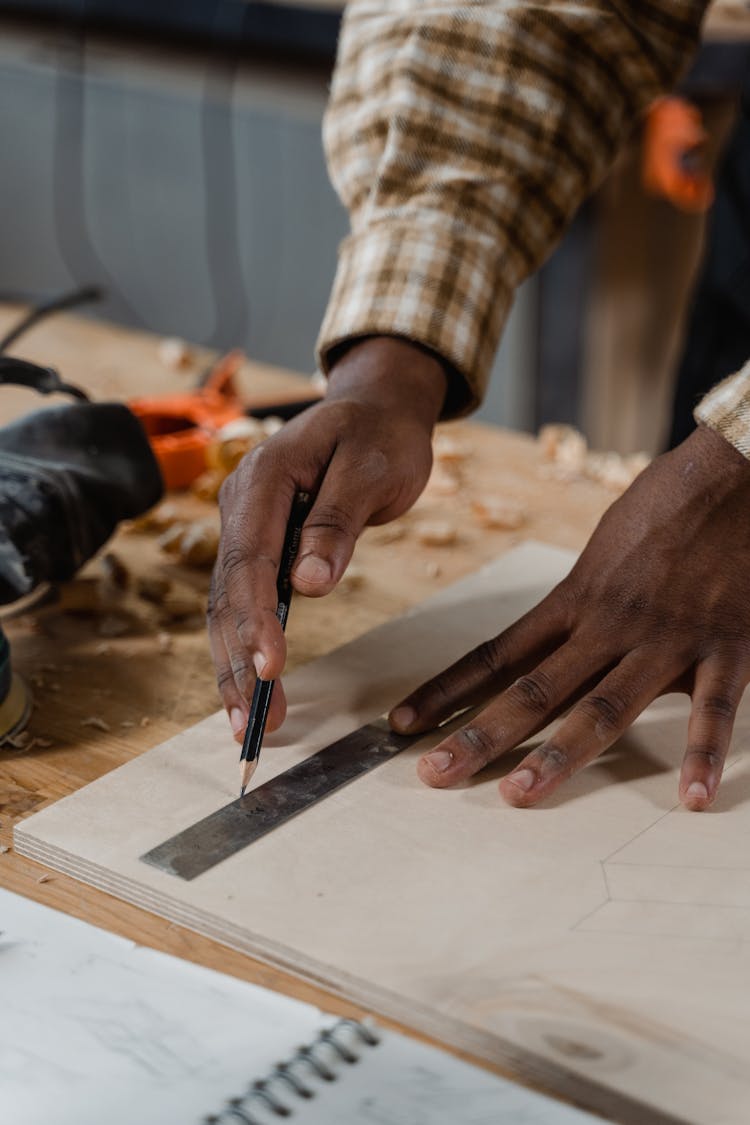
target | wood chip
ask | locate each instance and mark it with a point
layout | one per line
(200, 544)
(565, 446)
(433, 569)
(44, 879)
(158, 519)
(194, 544)
(4, 849)
(436, 533)
(174, 353)
(113, 626)
(180, 602)
(145, 721)
(272, 425)
(442, 482)
(499, 513)
(116, 575)
(447, 449)
(153, 587)
(208, 485)
(171, 539)
(165, 641)
(97, 722)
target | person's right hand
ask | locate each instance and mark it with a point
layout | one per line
(365, 453)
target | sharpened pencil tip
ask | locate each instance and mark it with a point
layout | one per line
(242, 791)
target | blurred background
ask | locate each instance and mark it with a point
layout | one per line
(171, 153)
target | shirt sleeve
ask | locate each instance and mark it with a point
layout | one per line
(726, 409)
(462, 138)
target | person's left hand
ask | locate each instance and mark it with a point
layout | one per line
(659, 601)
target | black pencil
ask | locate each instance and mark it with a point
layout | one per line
(256, 724)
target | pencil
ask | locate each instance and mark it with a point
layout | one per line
(256, 724)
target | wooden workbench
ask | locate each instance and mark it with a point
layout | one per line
(145, 695)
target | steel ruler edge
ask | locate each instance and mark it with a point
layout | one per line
(235, 826)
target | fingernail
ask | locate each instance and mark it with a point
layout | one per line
(313, 569)
(237, 720)
(259, 661)
(524, 779)
(439, 760)
(697, 789)
(404, 717)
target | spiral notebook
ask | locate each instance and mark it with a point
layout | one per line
(95, 1029)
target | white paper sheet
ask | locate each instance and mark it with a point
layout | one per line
(96, 1029)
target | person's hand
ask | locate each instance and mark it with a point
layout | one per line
(365, 453)
(659, 601)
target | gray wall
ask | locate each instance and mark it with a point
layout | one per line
(194, 190)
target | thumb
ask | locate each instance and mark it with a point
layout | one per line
(343, 506)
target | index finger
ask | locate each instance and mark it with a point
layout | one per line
(255, 505)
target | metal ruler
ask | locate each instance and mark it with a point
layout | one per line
(200, 847)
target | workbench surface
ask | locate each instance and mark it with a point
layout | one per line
(143, 694)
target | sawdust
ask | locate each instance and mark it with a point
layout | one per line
(436, 533)
(97, 723)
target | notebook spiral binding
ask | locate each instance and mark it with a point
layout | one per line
(341, 1044)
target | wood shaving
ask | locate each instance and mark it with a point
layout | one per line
(570, 459)
(436, 533)
(433, 570)
(97, 723)
(442, 482)
(200, 545)
(181, 602)
(564, 445)
(113, 626)
(4, 849)
(169, 541)
(193, 544)
(44, 743)
(208, 485)
(153, 587)
(127, 723)
(243, 428)
(447, 449)
(114, 572)
(174, 353)
(272, 425)
(145, 721)
(614, 471)
(165, 641)
(103, 649)
(44, 879)
(158, 519)
(499, 513)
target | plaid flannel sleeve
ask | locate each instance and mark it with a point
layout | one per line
(462, 137)
(726, 409)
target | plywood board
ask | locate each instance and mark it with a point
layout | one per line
(599, 945)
